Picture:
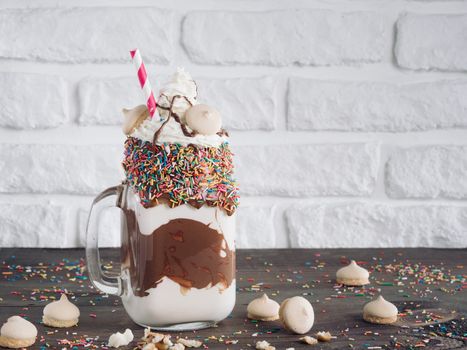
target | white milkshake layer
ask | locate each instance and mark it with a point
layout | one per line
(166, 305)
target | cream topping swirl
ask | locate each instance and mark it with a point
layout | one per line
(181, 84)
(172, 133)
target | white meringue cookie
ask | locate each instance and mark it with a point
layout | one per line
(17, 332)
(297, 315)
(380, 311)
(352, 275)
(263, 309)
(133, 118)
(121, 339)
(18, 328)
(203, 119)
(61, 313)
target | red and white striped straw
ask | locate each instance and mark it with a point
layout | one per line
(144, 81)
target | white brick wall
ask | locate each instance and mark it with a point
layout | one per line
(376, 106)
(59, 168)
(308, 37)
(377, 225)
(308, 170)
(78, 35)
(432, 42)
(26, 95)
(348, 118)
(428, 172)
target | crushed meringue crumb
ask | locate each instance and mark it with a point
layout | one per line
(264, 345)
(149, 346)
(159, 341)
(189, 343)
(309, 340)
(177, 346)
(324, 336)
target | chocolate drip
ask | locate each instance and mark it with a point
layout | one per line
(223, 132)
(174, 115)
(186, 251)
(165, 200)
(159, 131)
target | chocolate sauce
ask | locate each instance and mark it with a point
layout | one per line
(159, 131)
(174, 115)
(188, 252)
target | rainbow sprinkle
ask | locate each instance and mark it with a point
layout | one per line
(181, 174)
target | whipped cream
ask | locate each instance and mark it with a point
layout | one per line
(181, 84)
(172, 133)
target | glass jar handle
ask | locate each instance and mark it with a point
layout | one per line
(109, 198)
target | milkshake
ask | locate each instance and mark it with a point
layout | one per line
(178, 203)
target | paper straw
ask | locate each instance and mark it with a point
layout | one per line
(144, 81)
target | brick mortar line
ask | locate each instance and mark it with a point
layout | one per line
(379, 72)
(257, 201)
(242, 138)
(234, 6)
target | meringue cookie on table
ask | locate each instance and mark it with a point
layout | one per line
(61, 313)
(263, 309)
(352, 275)
(297, 315)
(121, 339)
(17, 333)
(380, 311)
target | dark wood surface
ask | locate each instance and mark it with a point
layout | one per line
(427, 285)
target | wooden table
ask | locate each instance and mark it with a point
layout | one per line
(427, 285)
